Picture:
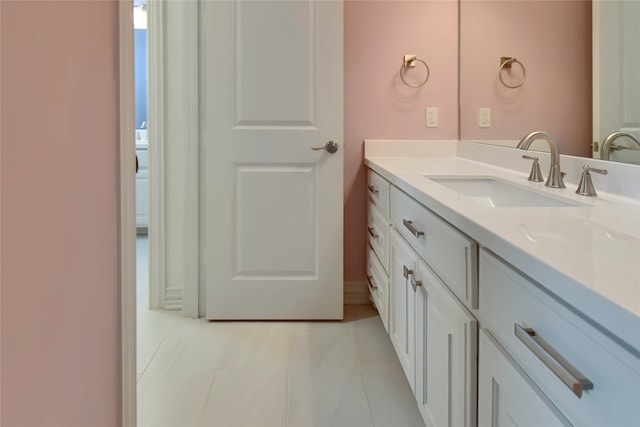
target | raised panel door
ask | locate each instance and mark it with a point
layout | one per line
(402, 304)
(446, 355)
(272, 206)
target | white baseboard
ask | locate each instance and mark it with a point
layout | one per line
(173, 299)
(356, 293)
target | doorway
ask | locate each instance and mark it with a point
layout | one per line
(185, 168)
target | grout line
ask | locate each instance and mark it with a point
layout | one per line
(150, 359)
(359, 363)
(226, 339)
(206, 401)
(289, 357)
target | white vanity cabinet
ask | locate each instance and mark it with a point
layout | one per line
(502, 329)
(588, 376)
(378, 227)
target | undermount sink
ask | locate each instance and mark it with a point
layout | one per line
(494, 192)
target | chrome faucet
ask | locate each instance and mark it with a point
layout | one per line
(608, 141)
(555, 175)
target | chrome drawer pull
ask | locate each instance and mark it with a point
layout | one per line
(408, 274)
(372, 232)
(569, 375)
(411, 228)
(372, 189)
(371, 285)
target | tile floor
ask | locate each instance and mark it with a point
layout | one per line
(259, 374)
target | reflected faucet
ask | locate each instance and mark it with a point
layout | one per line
(608, 141)
(555, 176)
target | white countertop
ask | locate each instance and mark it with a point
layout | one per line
(589, 256)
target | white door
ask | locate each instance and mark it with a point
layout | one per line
(616, 72)
(272, 85)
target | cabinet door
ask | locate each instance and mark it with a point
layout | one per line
(446, 355)
(506, 396)
(402, 305)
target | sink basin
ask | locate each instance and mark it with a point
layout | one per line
(494, 192)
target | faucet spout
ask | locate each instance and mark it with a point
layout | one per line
(608, 142)
(555, 175)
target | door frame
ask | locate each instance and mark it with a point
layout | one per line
(160, 294)
(127, 214)
(156, 120)
(157, 207)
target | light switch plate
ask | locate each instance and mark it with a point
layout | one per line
(431, 117)
(484, 118)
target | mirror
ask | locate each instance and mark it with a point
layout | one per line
(552, 43)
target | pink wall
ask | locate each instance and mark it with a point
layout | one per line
(553, 40)
(59, 308)
(378, 105)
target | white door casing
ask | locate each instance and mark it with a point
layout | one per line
(126, 216)
(616, 72)
(272, 86)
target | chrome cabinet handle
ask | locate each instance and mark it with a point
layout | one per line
(372, 232)
(411, 228)
(330, 146)
(408, 274)
(568, 374)
(371, 285)
(372, 189)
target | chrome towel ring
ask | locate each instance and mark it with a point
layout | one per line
(505, 63)
(409, 61)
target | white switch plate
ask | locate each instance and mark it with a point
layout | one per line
(431, 117)
(484, 118)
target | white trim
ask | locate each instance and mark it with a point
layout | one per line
(595, 55)
(191, 138)
(356, 293)
(173, 299)
(127, 215)
(157, 254)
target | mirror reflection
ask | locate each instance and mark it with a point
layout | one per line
(579, 85)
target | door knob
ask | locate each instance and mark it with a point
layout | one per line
(330, 146)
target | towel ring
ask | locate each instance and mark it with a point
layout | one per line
(409, 61)
(505, 62)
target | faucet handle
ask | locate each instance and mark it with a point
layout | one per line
(535, 175)
(586, 188)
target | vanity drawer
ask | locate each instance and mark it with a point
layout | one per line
(378, 190)
(451, 254)
(378, 282)
(378, 234)
(573, 342)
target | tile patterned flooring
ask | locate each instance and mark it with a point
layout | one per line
(192, 372)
